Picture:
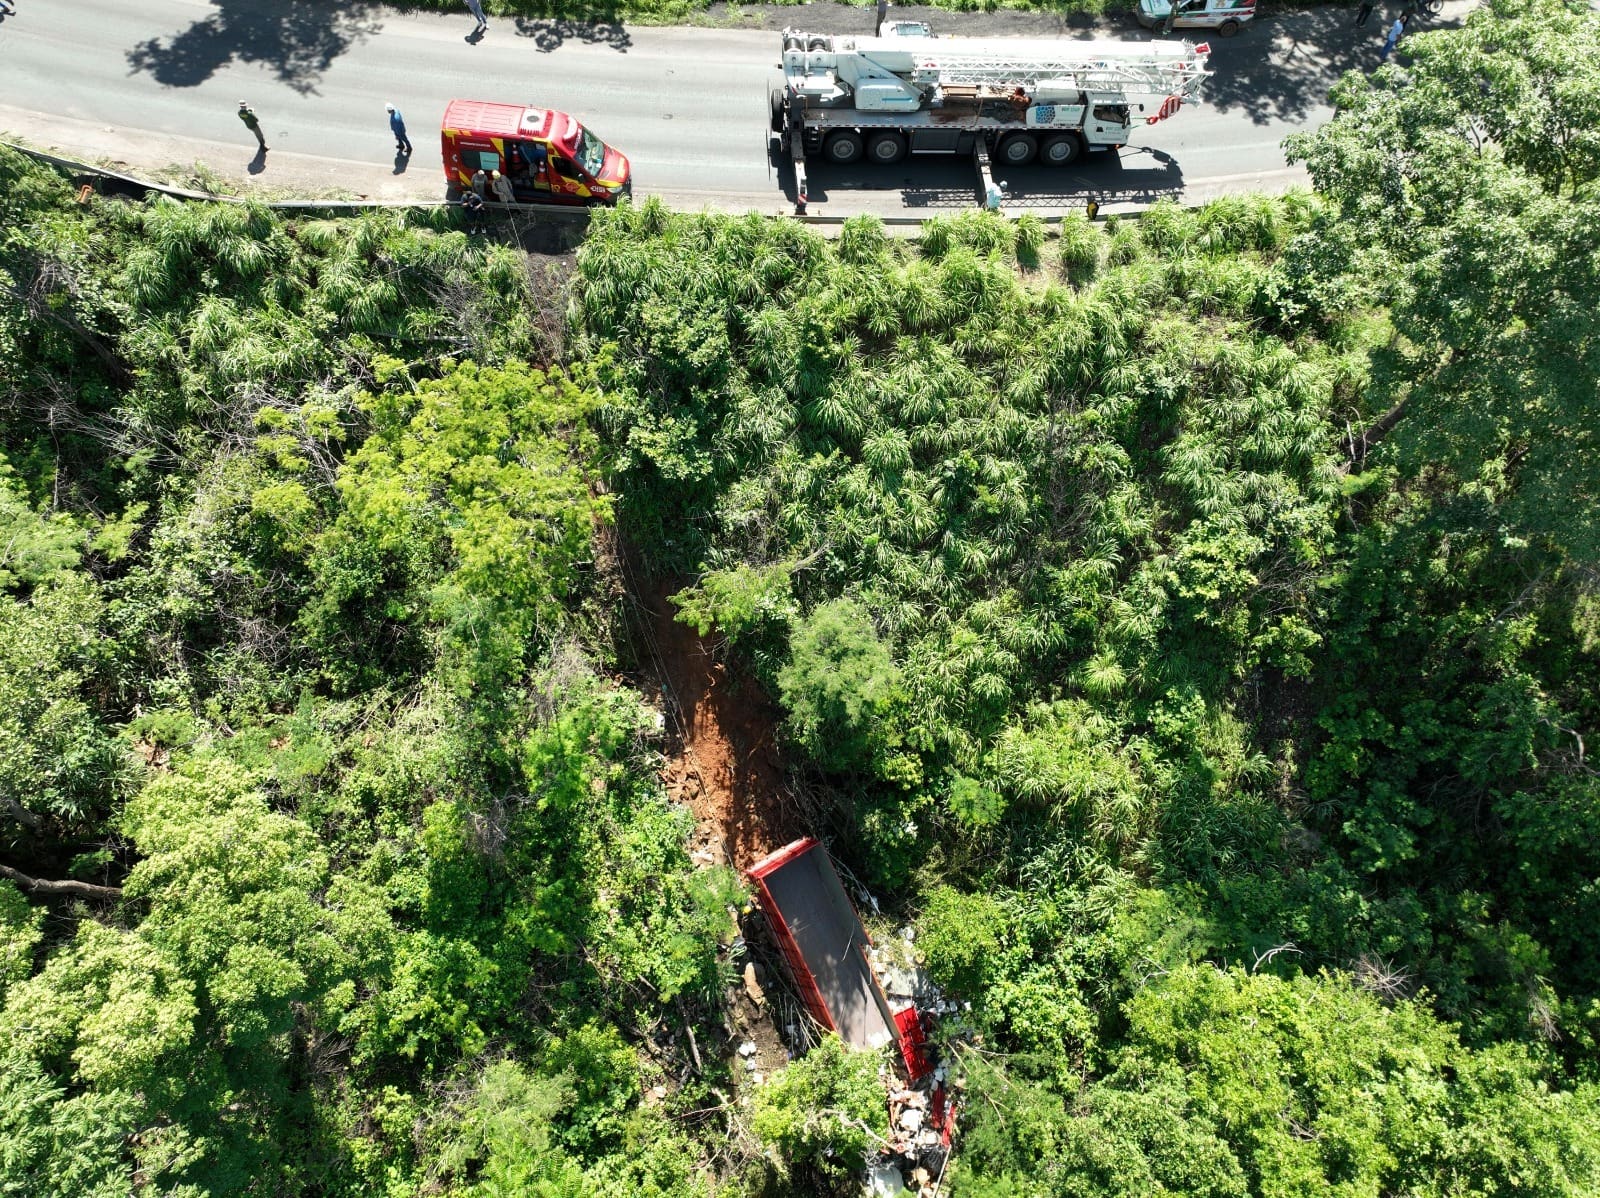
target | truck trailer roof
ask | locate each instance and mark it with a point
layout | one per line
(821, 937)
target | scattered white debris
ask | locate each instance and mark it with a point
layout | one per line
(884, 1181)
(907, 984)
(747, 1049)
(758, 1078)
(911, 1119)
(908, 933)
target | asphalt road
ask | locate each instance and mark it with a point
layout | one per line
(155, 83)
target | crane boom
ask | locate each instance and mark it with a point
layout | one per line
(1145, 69)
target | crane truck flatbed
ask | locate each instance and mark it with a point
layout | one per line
(877, 99)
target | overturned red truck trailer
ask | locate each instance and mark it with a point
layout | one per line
(822, 939)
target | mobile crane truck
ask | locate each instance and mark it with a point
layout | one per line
(877, 99)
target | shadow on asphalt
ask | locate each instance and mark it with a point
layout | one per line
(595, 29)
(1280, 69)
(295, 39)
(1136, 175)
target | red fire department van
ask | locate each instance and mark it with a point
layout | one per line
(547, 155)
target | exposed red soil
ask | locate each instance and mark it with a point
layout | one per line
(723, 759)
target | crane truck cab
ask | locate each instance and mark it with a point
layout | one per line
(547, 155)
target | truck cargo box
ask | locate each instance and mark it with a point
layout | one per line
(821, 937)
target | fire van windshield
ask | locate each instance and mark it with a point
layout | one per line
(591, 152)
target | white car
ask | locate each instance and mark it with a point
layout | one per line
(1227, 17)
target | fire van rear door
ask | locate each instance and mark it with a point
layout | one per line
(478, 153)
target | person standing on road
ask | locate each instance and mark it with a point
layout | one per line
(480, 183)
(502, 189)
(252, 123)
(475, 7)
(397, 126)
(1363, 12)
(1392, 40)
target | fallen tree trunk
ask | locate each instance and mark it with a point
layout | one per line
(28, 819)
(43, 886)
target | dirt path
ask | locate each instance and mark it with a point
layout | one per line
(723, 759)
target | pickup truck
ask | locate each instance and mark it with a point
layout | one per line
(1227, 17)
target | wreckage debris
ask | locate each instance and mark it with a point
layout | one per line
(841, 977)
(752, 984)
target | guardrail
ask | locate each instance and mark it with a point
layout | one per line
(555, 214)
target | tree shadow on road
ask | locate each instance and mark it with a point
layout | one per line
(297, 39)
(1281, 69)
(593, 25)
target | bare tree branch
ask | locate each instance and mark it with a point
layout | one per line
(30, 820)
(1365, 441)
(41, 886)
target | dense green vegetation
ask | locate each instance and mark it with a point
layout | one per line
(1191, 625)
(297, 642)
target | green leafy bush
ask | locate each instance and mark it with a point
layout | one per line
(823, 1114)
(839, 685)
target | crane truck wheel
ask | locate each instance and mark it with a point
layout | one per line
(843, 147)
(886, 148)
(1228, 28)
(1018, 150)
(775, 99)
(1059, 151)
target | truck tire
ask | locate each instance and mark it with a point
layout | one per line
(1061, 150)
(1019, 149)
(775, 100)
(886, 148)
(1228, 28)
(843, 147)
